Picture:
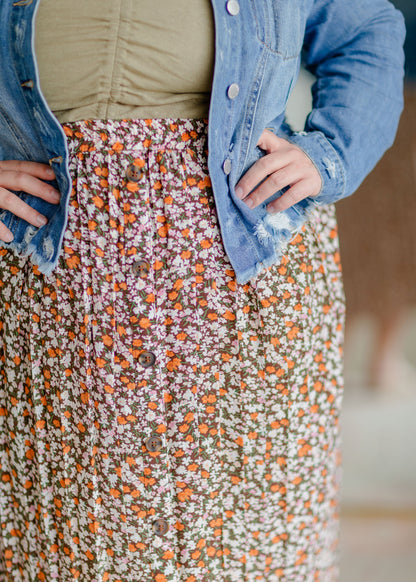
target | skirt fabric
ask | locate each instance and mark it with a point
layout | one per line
(158, 421)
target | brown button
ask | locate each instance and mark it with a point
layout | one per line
(147, 359)
(160, 527)
(154, 443)
(134, 173)
(141, 268)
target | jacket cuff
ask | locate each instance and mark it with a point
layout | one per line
(326, 160)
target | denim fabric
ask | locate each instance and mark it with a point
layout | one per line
(355, 50)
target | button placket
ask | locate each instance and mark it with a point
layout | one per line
(147, 326)
(233, 8)
(140, 264)
(144, 473)
(232, 92)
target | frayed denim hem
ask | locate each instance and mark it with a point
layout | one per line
(253, 272)
(45, 265)
(279, 229)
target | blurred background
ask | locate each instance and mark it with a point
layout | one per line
(377, 232)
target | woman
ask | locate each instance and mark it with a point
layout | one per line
(171, 337)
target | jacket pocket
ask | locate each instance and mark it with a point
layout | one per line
(280, 25)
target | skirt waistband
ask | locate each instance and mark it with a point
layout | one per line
(115, 136)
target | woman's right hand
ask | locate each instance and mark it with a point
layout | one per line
(26, 177)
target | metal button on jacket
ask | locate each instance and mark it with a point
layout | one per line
(160, 526)
(153, 443)
(141, 268)
(147, 359)
(233, 90)
(227, 166)
(233, 7)
(134, 173)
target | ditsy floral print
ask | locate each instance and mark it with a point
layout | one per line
(159, 421)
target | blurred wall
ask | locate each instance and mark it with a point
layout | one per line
(377, 224)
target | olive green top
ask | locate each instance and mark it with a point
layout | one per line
(124, 59)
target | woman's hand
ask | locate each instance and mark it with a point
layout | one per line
(26, 177)
(285, 164)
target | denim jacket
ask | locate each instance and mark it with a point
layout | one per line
(353, 47)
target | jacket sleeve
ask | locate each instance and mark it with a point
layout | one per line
(355, 50)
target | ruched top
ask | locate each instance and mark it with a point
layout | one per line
(118, 59)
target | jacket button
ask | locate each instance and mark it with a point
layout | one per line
(160, 527)
(134, 173)
(233, 7)
(141, 269)
(147, 359)
(29, 84)
(233, 90)
(153, 443)
(227, 166)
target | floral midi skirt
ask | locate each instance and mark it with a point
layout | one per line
(158, 421)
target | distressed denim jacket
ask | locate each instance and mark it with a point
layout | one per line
(353, 47)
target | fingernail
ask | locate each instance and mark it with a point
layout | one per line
(249, 202)
(8, 237)
(50, 173)
(41, 220)
(239, 192)
(55, 195)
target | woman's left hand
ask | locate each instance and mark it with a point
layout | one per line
(285, 164)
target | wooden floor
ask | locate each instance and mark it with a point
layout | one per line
(378, 549)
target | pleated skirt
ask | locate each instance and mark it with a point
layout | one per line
(158, 421)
